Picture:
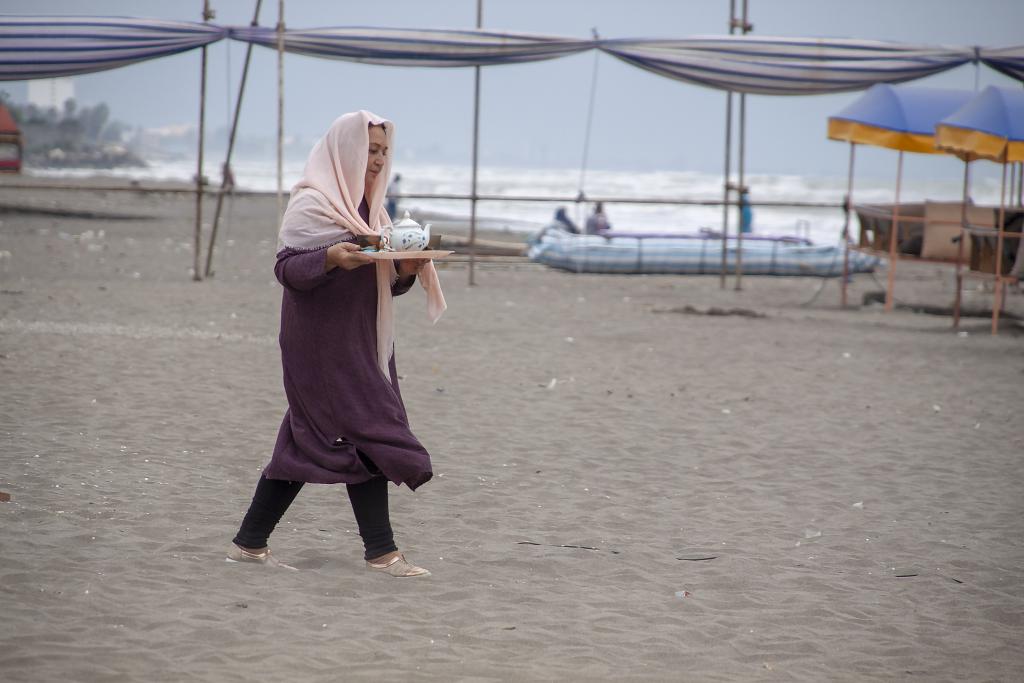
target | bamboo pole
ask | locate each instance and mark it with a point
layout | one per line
(846, 228)
(1020, 185)
(961, 246)
(1013, 181)
(198, 236)
(226, 175)
(280, 110)
(891, 284)
(728, 161)
(745, 28)
(741, 190)
(725, 186)
(476, 157)
(997, 303)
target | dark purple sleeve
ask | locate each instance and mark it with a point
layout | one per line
(302, 270)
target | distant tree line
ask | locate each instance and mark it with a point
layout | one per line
(76, 137)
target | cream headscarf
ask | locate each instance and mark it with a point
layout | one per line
(324, 210)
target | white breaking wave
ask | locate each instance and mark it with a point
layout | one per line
(822, 225)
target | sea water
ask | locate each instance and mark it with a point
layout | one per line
(821, 225)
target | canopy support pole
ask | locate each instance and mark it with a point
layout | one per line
(725, 185)
(745, 28)
(848, 210)
(1013, 182)
(227, 178)
(728, 160)
(891, 284)
(1020, 185)
(197, 246)
(740, 190)
(998, 302)
(280, 110)
(961, 246)
(476, 157)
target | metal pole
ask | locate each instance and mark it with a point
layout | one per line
(742, 189)
(280, 110)
(742, 162)
(1020, 185)
(961, 246)
(231, 146)
(846, 228)
(728, 159)
(476, 157)
(725, 186)
(997, 302)
(1013, 181)
(198, 237)
(891, 285)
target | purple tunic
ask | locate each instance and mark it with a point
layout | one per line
(341, 408)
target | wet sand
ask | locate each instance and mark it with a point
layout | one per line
(622, 490)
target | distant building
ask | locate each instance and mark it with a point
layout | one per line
(50, 92)
(11, 143)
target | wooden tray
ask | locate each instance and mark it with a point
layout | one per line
(403, 255)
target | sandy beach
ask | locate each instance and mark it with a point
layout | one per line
(622, 490)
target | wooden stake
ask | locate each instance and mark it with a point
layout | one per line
(198, 237)
(231, 147)
(476, 156)
(891, 285)
(846, 228)
(961, 247)
(999, 254)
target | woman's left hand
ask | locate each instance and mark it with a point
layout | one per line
(410, 267)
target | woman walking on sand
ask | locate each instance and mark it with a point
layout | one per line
(346, 422)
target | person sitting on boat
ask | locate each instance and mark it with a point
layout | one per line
(597, 222)
(563, 221)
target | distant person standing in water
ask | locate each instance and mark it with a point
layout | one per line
(597, 222)
(346, 422)
(394, 189)
(746, 213)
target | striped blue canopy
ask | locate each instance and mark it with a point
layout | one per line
(1008, 60)
(416, 47)
(47, 47)
(786, 66)
(50, 46)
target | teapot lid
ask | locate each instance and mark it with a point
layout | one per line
(406, 222)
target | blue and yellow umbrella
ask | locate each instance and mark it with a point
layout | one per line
(989, 126)
(896, 117)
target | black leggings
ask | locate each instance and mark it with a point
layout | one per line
(273, 496)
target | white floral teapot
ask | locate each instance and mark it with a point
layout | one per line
(407, 235)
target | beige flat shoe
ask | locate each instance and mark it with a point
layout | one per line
(398, 566)
(237, 554)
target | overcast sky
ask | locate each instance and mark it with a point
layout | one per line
(535, 114)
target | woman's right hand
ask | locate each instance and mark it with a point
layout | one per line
(345, 255)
